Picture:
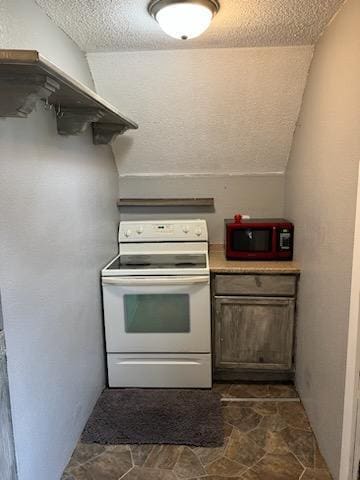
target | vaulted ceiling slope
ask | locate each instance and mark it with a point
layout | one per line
(212, 110)
(114, 25)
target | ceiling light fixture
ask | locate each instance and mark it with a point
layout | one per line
(183, 19)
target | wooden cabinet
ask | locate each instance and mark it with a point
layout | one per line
(253, 326)
(254, 332)
(274, 285)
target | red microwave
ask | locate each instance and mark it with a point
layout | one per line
(259, 239)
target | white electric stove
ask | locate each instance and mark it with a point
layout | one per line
(156, 296)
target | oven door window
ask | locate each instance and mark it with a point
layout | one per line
(252, 240)
(154, 313)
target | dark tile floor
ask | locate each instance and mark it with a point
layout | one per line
(264, 440)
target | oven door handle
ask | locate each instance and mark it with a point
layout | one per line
(158, 361)
(144, 281)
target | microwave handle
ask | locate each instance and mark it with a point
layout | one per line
(146, 281)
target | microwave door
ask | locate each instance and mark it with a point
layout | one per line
(252, 240)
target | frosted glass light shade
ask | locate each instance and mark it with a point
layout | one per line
(184, 20)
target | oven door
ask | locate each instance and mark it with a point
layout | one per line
(157, 314)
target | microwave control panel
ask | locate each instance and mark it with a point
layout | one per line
(285, 239)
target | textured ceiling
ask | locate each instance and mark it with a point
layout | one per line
(100, 25)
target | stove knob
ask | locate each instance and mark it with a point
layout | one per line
(186, 229)
(198, 232)
(139, 230)
(127, 233)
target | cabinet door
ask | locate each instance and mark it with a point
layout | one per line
(254, 333)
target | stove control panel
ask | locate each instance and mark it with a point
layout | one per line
(163, 231)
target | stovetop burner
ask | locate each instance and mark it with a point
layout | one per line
(158, 261)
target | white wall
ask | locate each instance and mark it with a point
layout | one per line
(24, 25)
(212, 110)
(256, 195)
(206, 117)
(320, 198)
(57, 229)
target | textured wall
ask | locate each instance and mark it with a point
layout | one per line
(205, 111)
(24, 25)
(320, 198)
(221, 113)
(57, 229)
(255, 195)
